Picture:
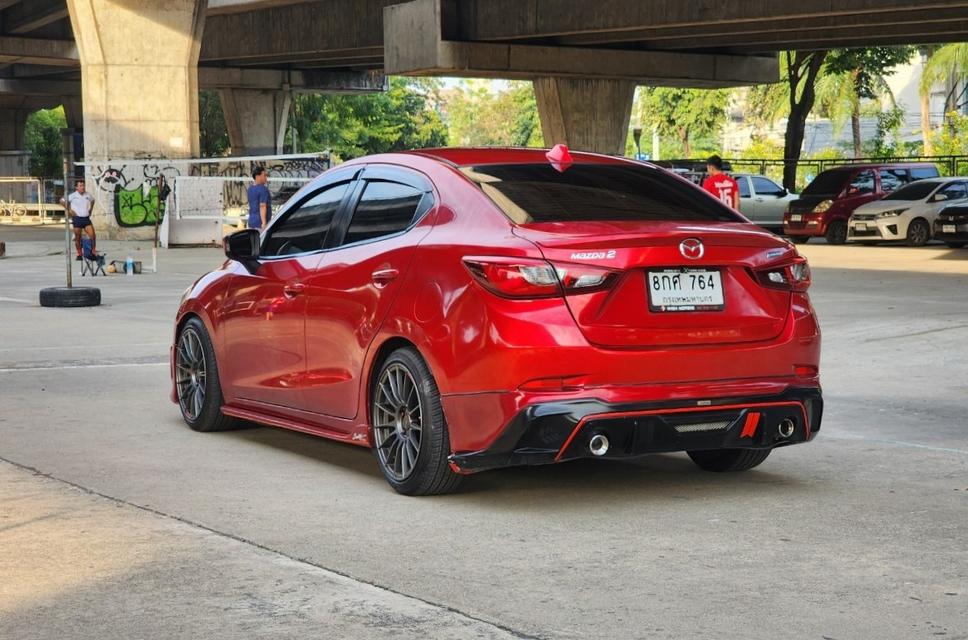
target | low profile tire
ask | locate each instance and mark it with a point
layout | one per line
(799, 239)
(918, 233)
(410, 437)
(955, 245)
(196, 380)
(728, 460)
(70, 297)
(837, 232)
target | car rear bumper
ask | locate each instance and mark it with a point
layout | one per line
(545, 433)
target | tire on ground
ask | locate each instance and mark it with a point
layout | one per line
(70, 297)
(432, 474)
(728, 460)
(799, 239)
(919, 233)
(210, 418)
(837, 232)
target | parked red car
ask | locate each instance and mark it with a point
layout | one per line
(462, 309)
(825, 206)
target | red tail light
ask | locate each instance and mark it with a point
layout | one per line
(792, 276)
(529, 278)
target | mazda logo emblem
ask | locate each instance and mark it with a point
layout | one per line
(692, 249)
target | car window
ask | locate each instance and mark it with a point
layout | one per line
(304, 228)
(893, 179)
(954, 191)
(384, 208)
(914, 191)
(829, 183)
(863, 182)
(920, 173)
(539, 193)
(766, 187)
(744, 187)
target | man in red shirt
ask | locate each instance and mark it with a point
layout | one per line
(721, 185)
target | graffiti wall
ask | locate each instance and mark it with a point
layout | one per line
(120, 185)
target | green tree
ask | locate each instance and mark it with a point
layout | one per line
(477, 115)
(944, 65)
(42, 138)
(684, 114)
(213, 135)
(355, 125)
(800, 70)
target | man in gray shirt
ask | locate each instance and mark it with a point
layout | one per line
(79, 205)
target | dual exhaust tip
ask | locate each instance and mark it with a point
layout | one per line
(598, 444)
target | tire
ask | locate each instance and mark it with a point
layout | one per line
(70, 297)
(918, 233)
(955, 245)
(836, 232)
(404, 395)
(194, 354)
(799, 239)
(729, 460)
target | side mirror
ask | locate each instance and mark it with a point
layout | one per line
(940, 197)
(784, 193)
(243, 246)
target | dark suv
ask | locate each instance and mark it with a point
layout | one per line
(825, 205)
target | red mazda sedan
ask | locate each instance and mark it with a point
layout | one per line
(458, 310)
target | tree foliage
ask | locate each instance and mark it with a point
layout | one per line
(479, 116)
(213, 135)
(42, 138)
(684, 114)
(355, 125)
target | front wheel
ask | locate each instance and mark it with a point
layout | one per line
(196, 380)
(728, 460)
(837, 232)
(918, 233)
(410, 435)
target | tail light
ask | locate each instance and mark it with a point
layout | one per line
(530, 278)
(792, 276)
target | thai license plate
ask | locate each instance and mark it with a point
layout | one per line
(796, 218)
(685, 290)
(860, 226)
(949, 228)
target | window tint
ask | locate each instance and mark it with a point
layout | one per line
(744, 187)
(955, 191)
(305, 227)
(829, 183)
(863, 182)
(920, 173)
(766, 187)
(529, 193)
(385, 208)
(914, 191)
(893, 179)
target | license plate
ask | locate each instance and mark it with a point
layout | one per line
(796, 218)
(949, 228)
(685, 290)
(860, 226)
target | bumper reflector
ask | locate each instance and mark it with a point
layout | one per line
(749, 427)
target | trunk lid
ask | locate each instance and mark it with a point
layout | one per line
(621, 317)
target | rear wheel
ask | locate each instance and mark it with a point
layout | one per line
(955, 245)
(799, 239)
(837, 232)
(727, 460)
(918, 233)
(410, 435)
(197, 383)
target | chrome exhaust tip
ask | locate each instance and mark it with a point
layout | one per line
(786, 428)
(598, 445)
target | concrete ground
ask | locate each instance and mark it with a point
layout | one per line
(117, 521)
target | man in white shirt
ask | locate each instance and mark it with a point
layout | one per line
(79, 205)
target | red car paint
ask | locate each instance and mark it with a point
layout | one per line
(298, 342)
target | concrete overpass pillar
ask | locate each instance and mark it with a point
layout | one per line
(256, 119)
(586, 114)
(139, 73)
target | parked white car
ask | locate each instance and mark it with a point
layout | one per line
(906, 214)
(762, 200)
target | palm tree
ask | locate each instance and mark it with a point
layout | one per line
(943, 66)
(840, 95)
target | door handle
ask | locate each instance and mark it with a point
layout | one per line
(383, 277)
(294, 289)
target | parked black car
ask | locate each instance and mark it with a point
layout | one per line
(951, 227)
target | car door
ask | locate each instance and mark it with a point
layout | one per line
(953, 193)
(770, 202)
(354, 286)
(264, 315)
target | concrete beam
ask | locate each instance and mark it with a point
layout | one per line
(40, 87)
(256, 120)
(510, 19)
(36, 14)
(222, 7)
(267, 79)
(414, 46)
(37, 51)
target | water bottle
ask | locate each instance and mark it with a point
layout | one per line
(129, 265)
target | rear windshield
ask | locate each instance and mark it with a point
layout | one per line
(594, 192)
(914, 191)
(828, 183)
